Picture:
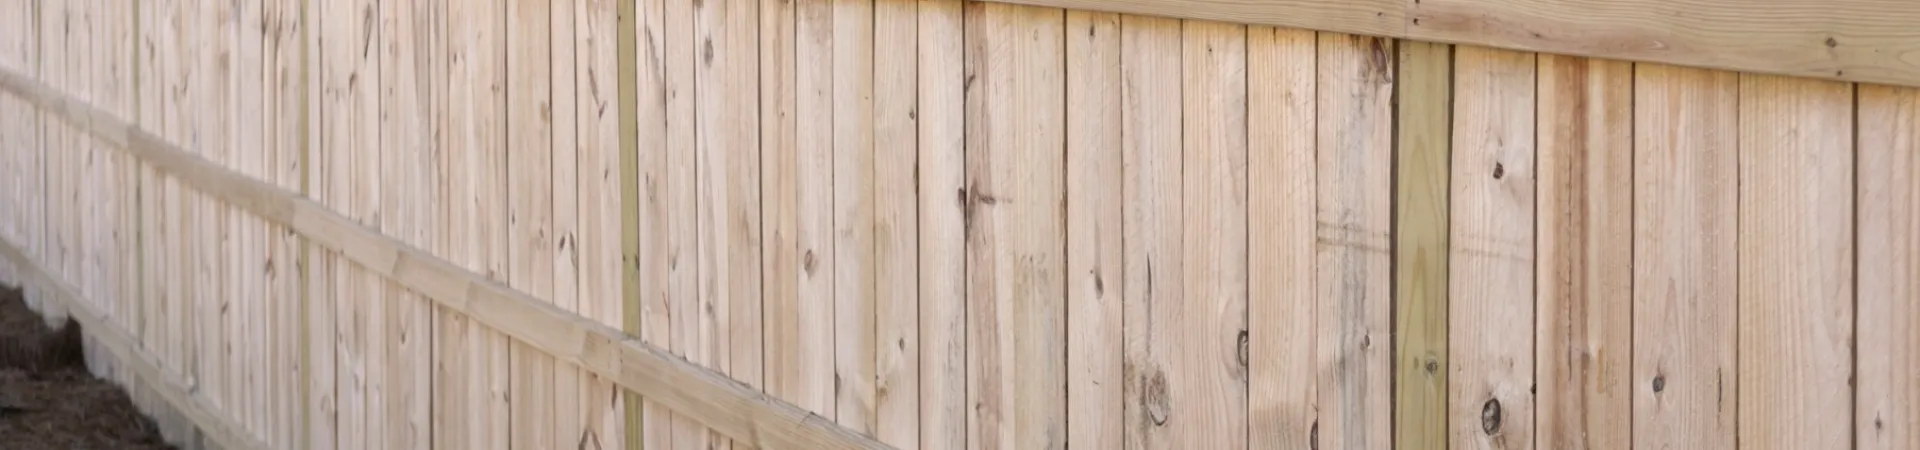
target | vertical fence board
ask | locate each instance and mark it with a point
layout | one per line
(896, 225)
(853, 214)
(602, 111)
(729, 176)
(1796, 367)
(1208, 391)
(1585, 237)
(1887, 405)
(1353, 219)
(942, 238)
(1491, 266)
(661, 193)
(1281, 196)
(409, 69)
(782, 262)
(1094, 284)
(683, 54)
(1015, 168)
(320, 406)
(1420, 252)
(1152, 192)
(1683, 272)
(565, 242)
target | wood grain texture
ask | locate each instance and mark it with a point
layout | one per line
(1353, 218)
(602, 237)
(1886, 406)
(942, 213)
(1094, 227)
(564, 175)
(1796, 353)
(727, 91)
(780, 180)
(1684, 282)
(853, 215)
(1491, 260)
(818, 256)
(1371, 17)
(410, 60)
(1854, 40)
(530, 209)
(702, 395)
(896, 223)
(1422, 166)
(1281, 197)
(660, 233)
(1208, 389)
(1584, 291)
(1016, 295)
(1152, 190)
(472, 378)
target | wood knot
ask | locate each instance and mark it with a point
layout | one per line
(1433, 366)
(1154, 398)
(1659, 383)
(1490, 416)
(1499, 171)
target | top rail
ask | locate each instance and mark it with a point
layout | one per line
(1869, 41)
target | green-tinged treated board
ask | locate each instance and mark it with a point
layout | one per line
(896, 224)
(531, 244)
(410, 56)
(1152, 192)
(1796, 247)
(1490, 266)
(1422, 164)
(1015, 262)
(728, 142)
(1683, 261)
(1584, 274)
(1094, 227)
(627, 56)
(1207, 385)
(1281, 183)
(1887, 406)
(1352, 260)
(603, 108)
(660, 233)
(853, 215)
(942, 227)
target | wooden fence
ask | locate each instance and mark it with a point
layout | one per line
(945, 225)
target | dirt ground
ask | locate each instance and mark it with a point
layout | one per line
(47, 398)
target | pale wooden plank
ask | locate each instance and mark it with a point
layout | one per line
(468, 385)
(1152, 190)
(1281, 197)
(896, 223)
(656, 226)
(564, 182)
(1854, 40)
(1887, 406)
(942, 242)
(1490, 264)
(1373, 17)
(210, 94)
(1093, 231)
(1207, 387)
(781, 262)
(1015, 167)
(728, 147)
(704, 396)
(1424, 119)
(350, 138)
(853, 215)
(319, 405)
(814, 84)
(603, 109)
(683, 55)
(409, 53)
(249, 256)
(1683, 259)
(530, 209)
(1796, 354)
(1352, 263)
(1584, 273)
(288, 68)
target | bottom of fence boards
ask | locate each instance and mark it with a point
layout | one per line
(57, 298)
